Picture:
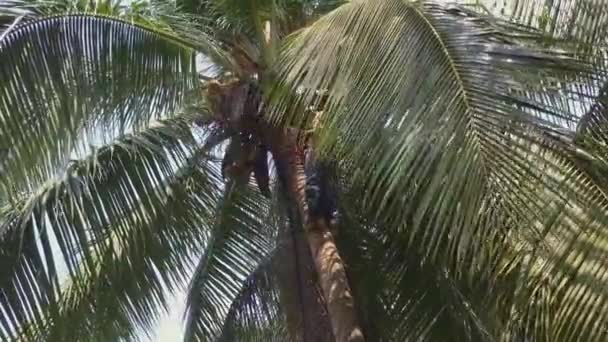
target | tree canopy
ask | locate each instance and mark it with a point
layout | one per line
(384, 170)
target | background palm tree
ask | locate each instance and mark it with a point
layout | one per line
(367, 170)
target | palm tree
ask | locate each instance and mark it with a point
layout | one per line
(328, 170)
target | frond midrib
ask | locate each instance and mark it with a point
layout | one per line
(446, 53)
(459, 80)
(181, 42)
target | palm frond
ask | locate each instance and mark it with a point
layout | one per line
(281, 297)
(88, 213)
(579, 21)
(137, 268)
(445, 119)
(37, 8)
(570, 262)
(241, 240)
(158, 16)
(256, 314)
(426, 128)
(591, 128)
(66, 77)
(400, 298)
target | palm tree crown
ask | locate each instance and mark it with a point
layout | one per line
(386, 170)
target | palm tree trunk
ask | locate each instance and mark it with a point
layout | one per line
(328, 263)
(306, 311)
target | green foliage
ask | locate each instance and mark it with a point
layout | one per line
(242, 239)
(470, 150)
(469, 129)
(82, 75)
(256, 313)
(571, 22)
(111, 207)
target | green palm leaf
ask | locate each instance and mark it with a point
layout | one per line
(67, 76)
(400, 298)
(580, 21)
(91, 211)
(472, 152)
(255, 314)
(571, 263)
(129, 284)
(241, 240)
(592, 126)
(446, 119)
(436, 131)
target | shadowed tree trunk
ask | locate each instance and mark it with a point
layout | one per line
(306, 312)
(328, 263)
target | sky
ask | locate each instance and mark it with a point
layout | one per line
(170, 327)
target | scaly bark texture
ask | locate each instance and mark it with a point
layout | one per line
(328, 263)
